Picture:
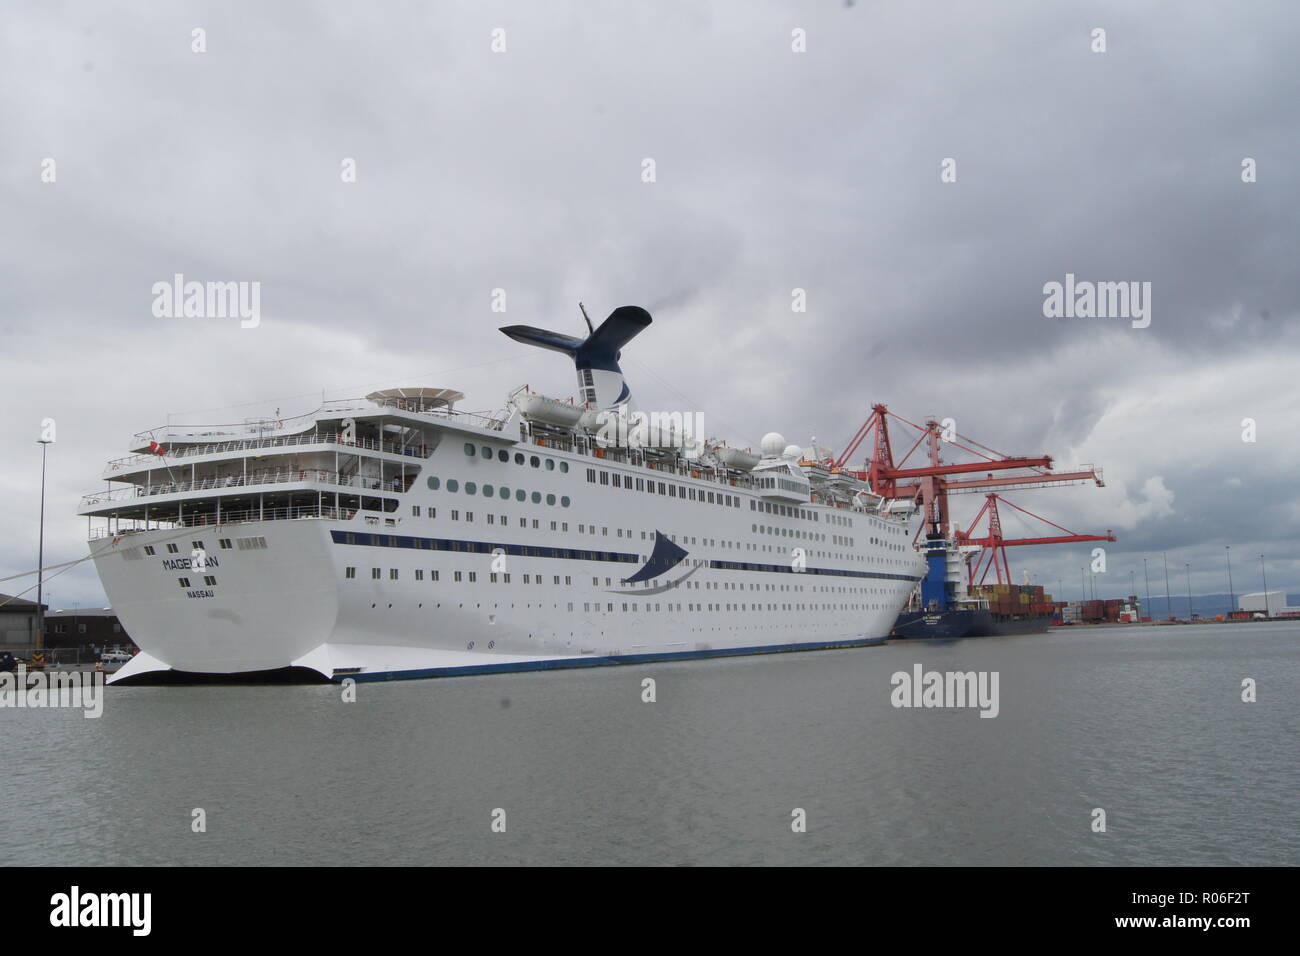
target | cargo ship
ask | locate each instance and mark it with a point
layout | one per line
(946, 606)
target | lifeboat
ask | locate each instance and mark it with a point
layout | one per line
(737, 459)
(543, 408)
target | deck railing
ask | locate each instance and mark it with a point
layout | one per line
(231, 517)
(304, 475)
(281, 441)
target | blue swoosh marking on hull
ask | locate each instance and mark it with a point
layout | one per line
(665, 556)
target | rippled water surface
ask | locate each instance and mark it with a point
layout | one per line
(1146, 723)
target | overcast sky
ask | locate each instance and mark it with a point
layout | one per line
(774, 170)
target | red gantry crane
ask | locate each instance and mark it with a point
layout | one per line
(994, 554)
(931, 479)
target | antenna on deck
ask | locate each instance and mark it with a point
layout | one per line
(590, 327)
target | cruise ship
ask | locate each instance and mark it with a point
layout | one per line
(398, 536)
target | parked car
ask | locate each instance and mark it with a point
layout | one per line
(114, 656)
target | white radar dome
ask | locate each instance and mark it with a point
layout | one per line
(772, 444)
(792, 451)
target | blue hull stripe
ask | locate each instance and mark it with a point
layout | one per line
(478, 547)
(569, 663)
(368, 539)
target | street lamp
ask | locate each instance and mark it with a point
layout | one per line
(1265, 576)
(40, 556)
(1189, 591)
(1148, 580)
(1232, 597)
(1169, 614)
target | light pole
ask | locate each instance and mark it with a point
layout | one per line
(1232, 597)
(1265, 576)
(1189, 591)
(40, 556)
(1148, 580)
(1169, 614)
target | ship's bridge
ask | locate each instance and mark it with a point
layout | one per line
(781, 480)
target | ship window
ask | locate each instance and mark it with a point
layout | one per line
(415, 511)
(604, 477)
(564, 467)
(419, 574)
(550, 464)
(184, 582)
(374, 574)
(453, 485)
(503, 455)
(455, 516)
(433, 484)
(197, 544)
(470, 487)
(534, 461)
(456, 575)
(208, 579)
(503, 493)
(564, 501)
(433, 575)
(537, 497)
(550, 499)
(486, 452)
(520, 494)
(171, 549)
(469, 449)
(473, 575)
(487, 490)
(351, 573)
(148, 549)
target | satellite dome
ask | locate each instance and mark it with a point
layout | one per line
(772, 444)
(792, 451)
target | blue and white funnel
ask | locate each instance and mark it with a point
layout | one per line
(600, 380)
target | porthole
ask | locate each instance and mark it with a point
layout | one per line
(453, 484)
(503, 492)
(487, 491)
(550, 465)
(520, 494)
(470, 487)
(564, 466)
(486, 452)
(564, 501)
(535, 461)
(537, 497)
(519, 459)
(469, 449)
(433, 484)
(550, 499)
(503, 455)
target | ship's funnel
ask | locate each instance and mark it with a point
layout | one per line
(600, 380)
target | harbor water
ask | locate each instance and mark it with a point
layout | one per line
(1145, 723)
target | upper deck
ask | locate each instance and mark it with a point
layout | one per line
(363, 454)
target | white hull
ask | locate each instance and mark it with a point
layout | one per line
(292, 603)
